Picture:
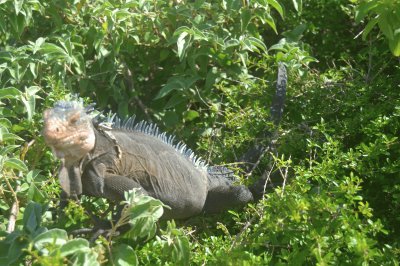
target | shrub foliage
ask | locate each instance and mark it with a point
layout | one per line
(205, 71)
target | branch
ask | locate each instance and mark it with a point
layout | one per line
(14, 208)
(131, 85)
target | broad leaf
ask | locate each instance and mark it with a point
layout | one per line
(53, 236)
(124, 255)
(9, 93)
(14, 163)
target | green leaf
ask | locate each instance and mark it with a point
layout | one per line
(152, 208)
(176, 99)
(182, 44)
(8, 149)
(32, 175)
(385, 26)
(29, 100)
(258, 43)
(37, 44)
(85, 258)
(54, 52)
(35, 194)
(270, 21)
(176, 244)
(245, 17)
(363, 9)
(54, 236)
(190, 115)
(170, 86)
(5, 123)
(369, 27)
(295, 34)
(16, 249)
(171, 118)
(143, 213)
(176, 83)
(244, 58)
(231, 43)
(51, 48)
(79, 63)
(5, 136)
(9, 93)
(32, 68)
(32, 217)
(18, 5)
(124, 255)
(279, 8)
(14, 163)
(298, 5)
(73, 246)
(181, 252)
(394, 45)
(18, 23)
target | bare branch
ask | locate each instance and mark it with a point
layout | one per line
(14, 208)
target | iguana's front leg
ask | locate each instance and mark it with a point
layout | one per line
(71, 184)
(98, 182)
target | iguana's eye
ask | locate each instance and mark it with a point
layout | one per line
(74, 118)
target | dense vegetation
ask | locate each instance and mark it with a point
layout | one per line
(205, 71)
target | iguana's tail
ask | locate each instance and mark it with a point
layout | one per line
(253, 156)
(222, 189)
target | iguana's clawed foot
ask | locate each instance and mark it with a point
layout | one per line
(107, 233)
(101, 227)
(96, 232)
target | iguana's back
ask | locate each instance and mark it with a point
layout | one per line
(161, 170)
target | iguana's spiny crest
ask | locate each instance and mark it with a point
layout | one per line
(68, 129)
(130, 125)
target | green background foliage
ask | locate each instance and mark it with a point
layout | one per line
(205, 71)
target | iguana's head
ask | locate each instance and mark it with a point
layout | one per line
(68, 130)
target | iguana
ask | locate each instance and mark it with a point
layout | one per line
(104, 159)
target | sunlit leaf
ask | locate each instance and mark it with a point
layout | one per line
(369, 27)
(9, 93)
(279, 8)
(190, 115)
(54, 236)
(14, 163)
(73, 246)
(124, 255)
(245, 17)
(363, 9)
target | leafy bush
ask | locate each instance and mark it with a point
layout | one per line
(205, 70)
(386, 16)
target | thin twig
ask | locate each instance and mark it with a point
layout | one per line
(268, 178)
(284, 175)
(129, 79)
(247, 225)
(212, 137)
(144, 108)
(257, 162)
(367, 77)
(14, 208)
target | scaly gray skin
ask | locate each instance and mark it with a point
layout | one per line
(107, 159)
(104, 161)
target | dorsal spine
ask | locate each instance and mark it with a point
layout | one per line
(151, 129)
